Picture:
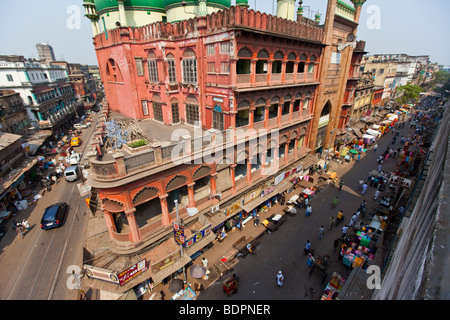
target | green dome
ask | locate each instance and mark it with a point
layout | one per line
(106, 5)
(212, 3)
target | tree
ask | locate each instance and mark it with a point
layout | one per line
(409, 93)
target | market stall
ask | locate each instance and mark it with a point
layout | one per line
(184, 294)
(358, 252)
(334, 287)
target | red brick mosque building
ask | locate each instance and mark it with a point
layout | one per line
(224, 71)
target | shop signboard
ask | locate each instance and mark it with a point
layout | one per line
(166, 262)
(288, 173)
(198, 236)
(100, 274)
(279, 178)
(251, 196)
(265, 192)
(178, 233)
(234, 207)
(132, 272)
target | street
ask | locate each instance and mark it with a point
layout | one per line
(39, 266)
(283, 249)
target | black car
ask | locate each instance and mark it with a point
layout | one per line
(54, 216)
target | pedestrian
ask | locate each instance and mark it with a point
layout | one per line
(376, 195)
(341, 183)
(380, 167)
(280, 278)
(330, 223)
(344, 231)
(26, 224)
(205, 263)
(307, 247)
(308, 211)
(364, 188)
(306, 201)
(353, 220)
(19, 230)
(375, 147)
(336, 244)
(256, 221)
(321, 231)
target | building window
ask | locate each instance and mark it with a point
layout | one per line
(139, 67)
(211, 49)
(189, 70)
(224, 67)
(192, 114)
(335, 57)
(311, 68)
(153, 71)
(211, 67)
(175, 112)
(144, 108)
(225, 47)
(217, 119)
(157, 111)
(171, 68)
(262, 63)
(9, 77)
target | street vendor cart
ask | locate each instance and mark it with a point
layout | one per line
(231, 285)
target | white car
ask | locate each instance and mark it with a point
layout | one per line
(75, 158)
(79, 126)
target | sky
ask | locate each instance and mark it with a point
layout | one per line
(412, 27)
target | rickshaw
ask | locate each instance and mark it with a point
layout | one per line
(231, 285)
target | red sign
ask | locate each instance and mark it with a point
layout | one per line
(132, 272)
(178, 233)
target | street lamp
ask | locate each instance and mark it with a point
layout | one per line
(191, 212)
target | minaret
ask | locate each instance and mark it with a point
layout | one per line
(242, 3)
(91, 14)
(202, 10)
(358, 6)
(286, 9)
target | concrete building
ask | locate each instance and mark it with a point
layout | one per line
(45, 52)
(235, 92)
(44, 89)
(13, 116)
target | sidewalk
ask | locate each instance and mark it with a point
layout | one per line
(350, 172)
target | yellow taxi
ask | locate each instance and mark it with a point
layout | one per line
(75, 141)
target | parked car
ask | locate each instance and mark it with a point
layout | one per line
(75, 141)
(54, 216)
(75, 158)
(72, 173)
(79, 126)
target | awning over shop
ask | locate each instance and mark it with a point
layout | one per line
(281, 187)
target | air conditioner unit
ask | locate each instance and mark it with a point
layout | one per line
(214, 209)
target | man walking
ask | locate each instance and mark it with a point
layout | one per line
(321, 231)
(308, 210)
(364, 187)
(307, 247)
(341, 183)
(344, 231)
(330, 223)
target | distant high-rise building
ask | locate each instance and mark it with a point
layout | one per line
(45, 52)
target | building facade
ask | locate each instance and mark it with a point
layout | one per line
(239, 89)
(45, 90)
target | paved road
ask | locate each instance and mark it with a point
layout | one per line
(36, 267)
(283, 249)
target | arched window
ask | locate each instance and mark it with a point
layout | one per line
(175, 111)
(243, 64)
(277, 63)
(260, 107)
(152, 66)
(242, 116)
(290, 63)
(113, 72)
(157, 108)
(171, 68)
(192, 112)
(301, 64)
(189, 67)
(261, 64)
